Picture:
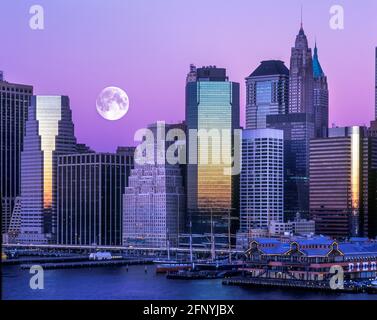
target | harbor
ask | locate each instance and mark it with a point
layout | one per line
(133, 283)
(300, 263)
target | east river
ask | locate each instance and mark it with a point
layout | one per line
(133, 284)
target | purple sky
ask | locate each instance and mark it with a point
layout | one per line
(146, 46)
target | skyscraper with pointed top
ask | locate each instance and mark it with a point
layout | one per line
(320, 98)
(301, 76)
(299, 127)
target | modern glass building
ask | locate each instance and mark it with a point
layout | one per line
(14, 103)
(262, 179)
(343, 173)
(90, 198)
(49, 133)
(266, 93)
(320, 98)
(212, 112)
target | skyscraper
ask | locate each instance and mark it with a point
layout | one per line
(49, 133)
(375, 85)
(298, 129)
(301, 76)
(154, 202)
(320, 98)
(212, 109)
(343, 176)
(266, 93)
(373, 124)
(14, 102)
(262, 179)
(90, 198)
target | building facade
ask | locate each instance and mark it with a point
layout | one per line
(14, 103)
(212, 110)
(298, 226)
(298, 129)
(320, 98)
(49, 133)
(266, 93)
(154, 202)
(343, 183)
(311, 259)
(262, 179)
(301, 76)
(90, 198)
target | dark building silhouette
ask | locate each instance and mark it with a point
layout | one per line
(298, 130)
(14, 103)
(90, 198)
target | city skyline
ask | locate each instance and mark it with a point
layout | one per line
(227, 143)
(351, 102)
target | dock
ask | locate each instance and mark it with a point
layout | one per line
(201, 275)
(89, 264)
(291, 284)
(39, 260)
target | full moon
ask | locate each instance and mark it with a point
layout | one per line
(112, 103)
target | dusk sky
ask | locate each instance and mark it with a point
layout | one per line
(145, 47)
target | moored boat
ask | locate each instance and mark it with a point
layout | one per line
(170, 267)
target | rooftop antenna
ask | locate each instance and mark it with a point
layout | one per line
(301, 18)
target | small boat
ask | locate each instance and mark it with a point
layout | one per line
(169, 267)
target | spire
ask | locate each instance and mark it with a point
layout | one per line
(317, 69)
(301, 40)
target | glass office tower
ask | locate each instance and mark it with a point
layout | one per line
(49, 133)
(212, 109)
(267, 91)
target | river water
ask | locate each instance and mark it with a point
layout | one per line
(118, 283)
